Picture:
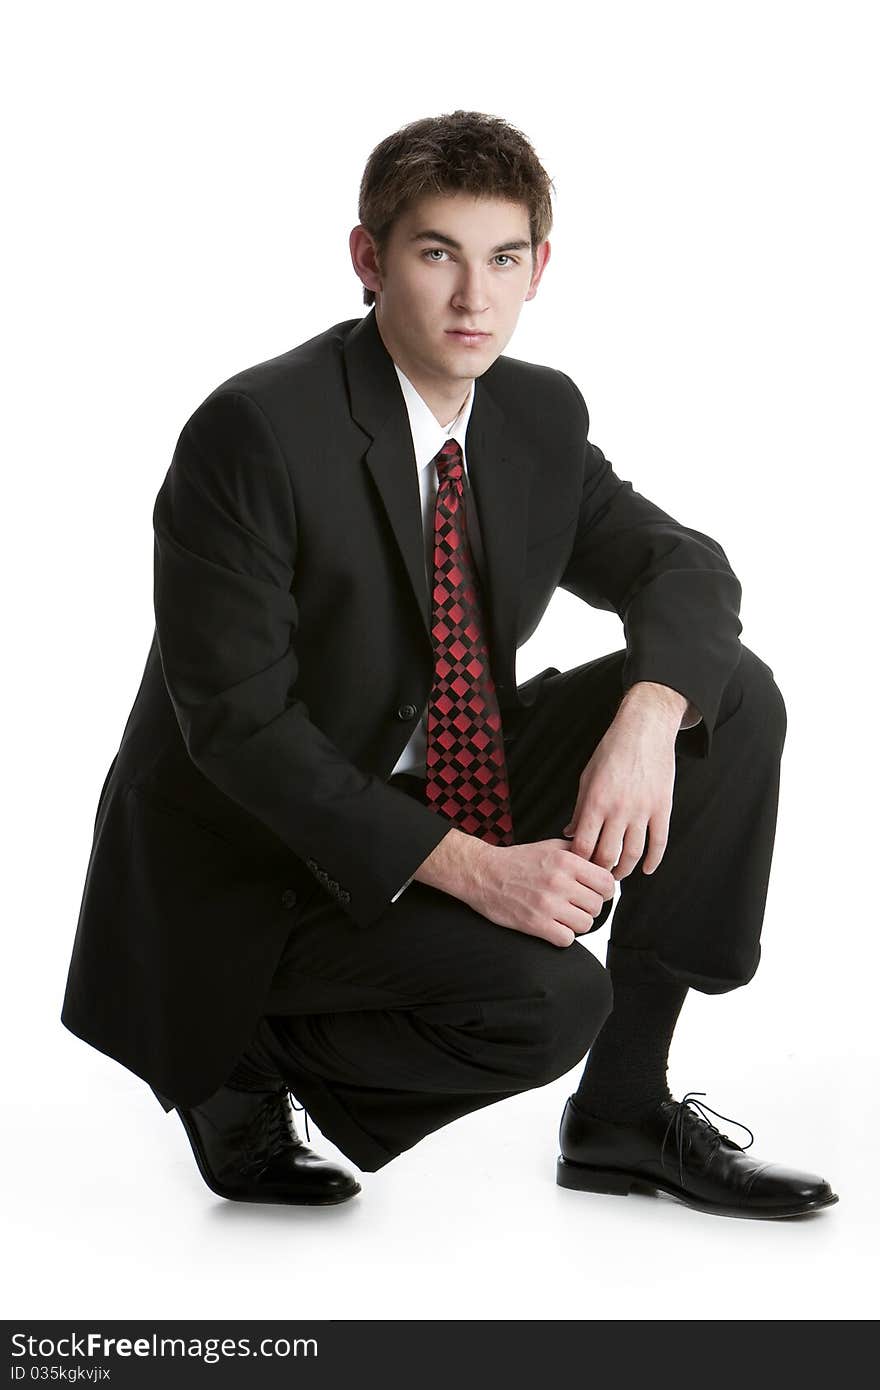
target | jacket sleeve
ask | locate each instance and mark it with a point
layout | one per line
(225, 551)
(672, 587)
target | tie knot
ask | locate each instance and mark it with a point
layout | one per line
(449, 461)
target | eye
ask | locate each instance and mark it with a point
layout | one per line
(437, 251)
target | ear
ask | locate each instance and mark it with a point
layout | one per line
(542, 256)
(365, 258)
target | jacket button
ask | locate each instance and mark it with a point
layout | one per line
(407, 712)
(288, 898)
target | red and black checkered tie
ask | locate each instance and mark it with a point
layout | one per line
(465, 763)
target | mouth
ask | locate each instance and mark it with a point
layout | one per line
(466, 336)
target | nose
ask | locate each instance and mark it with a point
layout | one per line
(471, 295)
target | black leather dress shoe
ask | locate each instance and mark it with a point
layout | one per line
(676, 1149)
(247, 1149)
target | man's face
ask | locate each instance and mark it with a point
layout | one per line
(453, 263)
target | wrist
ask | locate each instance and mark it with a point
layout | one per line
(456, 865)
(651, 701)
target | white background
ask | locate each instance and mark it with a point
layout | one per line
(181, 180)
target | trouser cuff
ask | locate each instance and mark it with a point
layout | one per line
(336, 1124)
(319, 1101)
(635, 966)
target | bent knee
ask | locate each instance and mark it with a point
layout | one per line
(568, 1014)
(761, 699)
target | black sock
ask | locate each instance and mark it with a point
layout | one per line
(254, 1071)
(625, 1074)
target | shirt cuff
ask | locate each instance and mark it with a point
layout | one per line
(691, 718)
(401, 890)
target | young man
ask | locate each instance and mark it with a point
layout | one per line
(340, 852)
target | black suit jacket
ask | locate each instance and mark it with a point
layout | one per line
(292, 658)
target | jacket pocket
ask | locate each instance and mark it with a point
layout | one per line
(186, 823)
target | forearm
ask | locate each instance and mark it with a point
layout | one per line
(455, 864)
(660, 705)
(458, 862)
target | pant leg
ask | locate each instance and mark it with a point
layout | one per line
(697, 919)
(389, 1033)
(385, 1034)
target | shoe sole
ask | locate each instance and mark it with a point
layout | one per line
(269, 1198)
(579, 1177)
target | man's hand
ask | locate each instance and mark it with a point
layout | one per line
(555, 888)
(625, 790)
(541, 889)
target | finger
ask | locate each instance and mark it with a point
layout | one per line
(578, 918)
(607, 851)
(585, 929)
(594, 877)
(633, 848)
(658, 831)
(561, 935)
(588, 900)
(585, 897)
(569, 829)
(583, 923)
(546, 926)
(587, 832)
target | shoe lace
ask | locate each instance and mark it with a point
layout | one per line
(268, 1132)
(683, 1115)
(305, 1112)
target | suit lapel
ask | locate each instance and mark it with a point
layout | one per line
(497, 469)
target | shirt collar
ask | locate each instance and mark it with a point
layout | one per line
(428, 434)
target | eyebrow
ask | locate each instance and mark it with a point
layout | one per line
(430, 235)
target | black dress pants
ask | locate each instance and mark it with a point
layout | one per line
(389, 1032)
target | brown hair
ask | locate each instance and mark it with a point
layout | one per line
(462, 152)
